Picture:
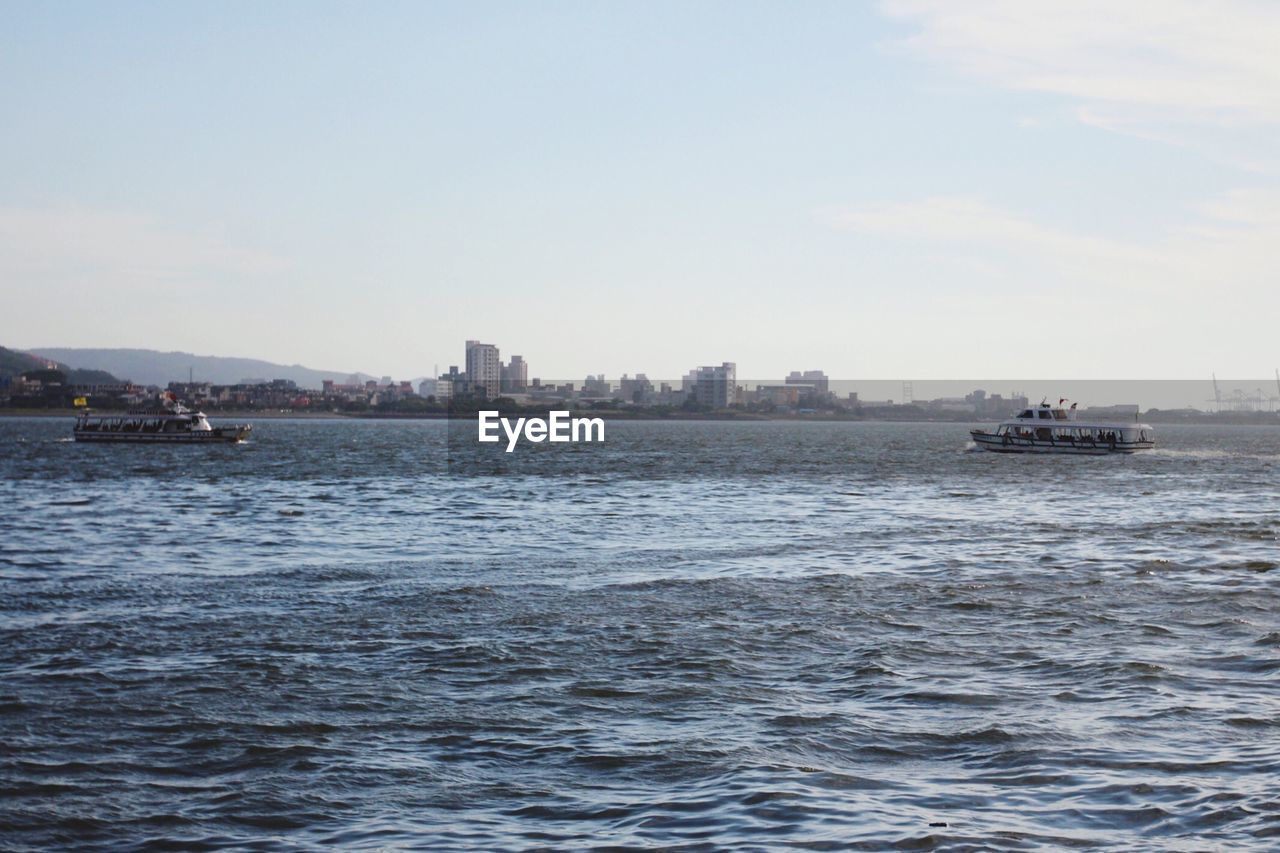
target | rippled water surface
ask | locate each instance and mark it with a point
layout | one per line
(704, 634)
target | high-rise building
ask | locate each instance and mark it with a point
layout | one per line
(716, 387)
(515, 375)
(484, 369)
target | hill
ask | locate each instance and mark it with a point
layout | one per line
(15, 363)
(151, 367)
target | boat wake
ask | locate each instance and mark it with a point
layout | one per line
(1166, 453)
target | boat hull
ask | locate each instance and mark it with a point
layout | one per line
(217, 435)
(1019, 444)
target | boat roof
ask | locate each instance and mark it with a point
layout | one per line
(1060, 416)
(1072, 422)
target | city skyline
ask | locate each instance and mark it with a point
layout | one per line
(1212, 393)
(899, 189)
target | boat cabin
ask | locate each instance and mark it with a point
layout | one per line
(1059, 426)
(1087, 434)
(161, 422)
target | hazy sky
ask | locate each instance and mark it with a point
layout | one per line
(909, 189)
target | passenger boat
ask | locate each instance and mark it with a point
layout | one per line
(171, 423)
(1048, 429)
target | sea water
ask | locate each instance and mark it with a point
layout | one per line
(712, 634)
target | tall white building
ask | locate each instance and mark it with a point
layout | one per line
(716, 387)
(484, 369)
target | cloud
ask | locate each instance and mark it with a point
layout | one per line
(1249, 208)
(985, 283)
(113, 246)
(973, 225)
(1230, 245)
(1130, 65)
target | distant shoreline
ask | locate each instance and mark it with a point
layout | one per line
(1254, 419)
(71, 413)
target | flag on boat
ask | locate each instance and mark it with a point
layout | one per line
(80, 401)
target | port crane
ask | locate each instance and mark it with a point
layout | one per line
(1238, 401)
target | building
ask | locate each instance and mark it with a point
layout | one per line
(821, 384)
(457, 380)
(515, 375)
(950, 404)
(484, 369)
(715, 387)
(1119, 411)
(440, 389)
(596, 387)
(638, 390)
(787, 395)
(994, 405)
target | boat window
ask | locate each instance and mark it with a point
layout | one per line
(1026, 413)
(1044, 415)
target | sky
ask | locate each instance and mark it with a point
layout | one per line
(908, 189)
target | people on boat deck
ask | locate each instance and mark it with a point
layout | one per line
(1043, 434)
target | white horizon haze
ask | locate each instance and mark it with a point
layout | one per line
(910, 189)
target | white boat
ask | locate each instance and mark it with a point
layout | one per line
(171, 423)
(1048, 429)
